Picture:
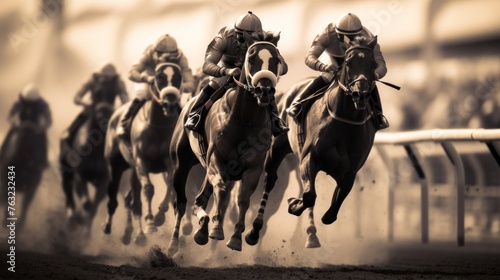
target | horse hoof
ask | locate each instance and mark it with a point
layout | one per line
(127, 236)
(295, 206)
(106, 228)
(234, 244)
(313, 241)
(217, 233)
(201, 234)
(140, 240)
(173, 247)
(150, 228)
(159, 219)
(252, 237)
(187, 229)
(328, 219)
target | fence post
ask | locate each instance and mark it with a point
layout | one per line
(455, 159)
(390, 199)
(424, 193)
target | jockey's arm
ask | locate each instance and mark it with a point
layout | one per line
(187, 75)
(381, 69)
(78, 100)
(137, 73)
(122, 91)
(213, 55)
(317, 48)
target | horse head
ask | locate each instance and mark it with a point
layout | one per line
(262, 67)
(167, 85)
(357, 77)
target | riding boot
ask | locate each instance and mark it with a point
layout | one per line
(380, 120)
(69, 134)
(296, 106)
(195, 113)
(124, 129)
(278, 125)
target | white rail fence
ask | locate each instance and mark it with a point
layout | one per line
(444, 137)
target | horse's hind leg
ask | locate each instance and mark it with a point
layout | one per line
(341, 191)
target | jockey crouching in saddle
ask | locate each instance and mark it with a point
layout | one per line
(164, 50)
(229, 49)
(334, 40)
(41, 117)
(104, 86)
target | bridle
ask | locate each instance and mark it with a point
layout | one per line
(251, 80)
(348, 89)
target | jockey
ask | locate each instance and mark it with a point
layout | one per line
(164, 50)
(104, 86)
(223, 60)
(42, 117)
(334, 41)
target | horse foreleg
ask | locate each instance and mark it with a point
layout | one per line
(201, 202)
(179, 179)
(149, 191)
(159, 218)
(308, 174)
(129, 227)
(273, 161)
(98, 198)
(312, 238)
(341, 191)
(117, 169)
(136, 207)
(249, 182)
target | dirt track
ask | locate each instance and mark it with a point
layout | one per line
(437, 261)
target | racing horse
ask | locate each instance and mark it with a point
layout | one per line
(231, 145)
(145, 152)
(23, 158)
(335, 136)
(81, 161)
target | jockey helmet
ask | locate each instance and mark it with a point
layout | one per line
(248, 22)
(108, 70)
(30, 93)
(166, 44)
(349, 24)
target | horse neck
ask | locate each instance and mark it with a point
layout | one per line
(155, 114)
(245, 108)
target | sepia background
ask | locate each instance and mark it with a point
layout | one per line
(444, 54)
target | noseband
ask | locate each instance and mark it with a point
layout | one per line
(250, 85)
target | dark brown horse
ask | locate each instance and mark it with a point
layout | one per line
(23, 159)
(237, 134)
(82, 162)
(336, 137)
(145, 153)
